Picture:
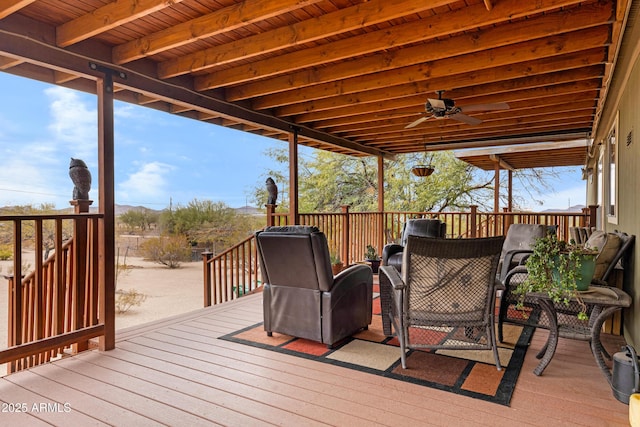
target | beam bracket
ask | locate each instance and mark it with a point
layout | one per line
(109, 73)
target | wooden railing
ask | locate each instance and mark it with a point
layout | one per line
(53, 309)
(234, 272)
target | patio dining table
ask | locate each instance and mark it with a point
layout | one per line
(604, 301)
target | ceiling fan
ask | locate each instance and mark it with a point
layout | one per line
(446, 108)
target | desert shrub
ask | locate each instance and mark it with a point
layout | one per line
(127, 299)
(6, 253)
(166, 250)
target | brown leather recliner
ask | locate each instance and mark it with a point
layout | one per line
(301, 297)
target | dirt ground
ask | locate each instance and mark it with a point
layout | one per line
(169, 292)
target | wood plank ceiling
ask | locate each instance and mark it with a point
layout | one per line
(348, 74)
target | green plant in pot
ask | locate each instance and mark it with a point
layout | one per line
(560, 269)
(371, 256)
(336, 263)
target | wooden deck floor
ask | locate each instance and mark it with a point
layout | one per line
(175, 372)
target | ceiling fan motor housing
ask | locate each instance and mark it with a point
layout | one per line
(438, 111)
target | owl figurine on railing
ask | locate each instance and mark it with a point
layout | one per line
(272, 191)
(81, 177)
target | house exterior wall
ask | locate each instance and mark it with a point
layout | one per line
(623, 105)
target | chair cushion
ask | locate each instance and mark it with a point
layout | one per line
(422, 227)
(522, 236)
(608, 245)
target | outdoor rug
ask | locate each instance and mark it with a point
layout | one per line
(467, 372)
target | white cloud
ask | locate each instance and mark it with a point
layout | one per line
(24, 182)
(74, 123)
(146, 185)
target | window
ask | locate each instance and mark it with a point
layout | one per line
(612, 173)
(600, 191)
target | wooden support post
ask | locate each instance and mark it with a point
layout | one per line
(496, 190)
(106, 204)
(510, 183)
(381, 224)
(294, 214)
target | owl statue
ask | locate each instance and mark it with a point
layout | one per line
(272, 189)
(81, 177)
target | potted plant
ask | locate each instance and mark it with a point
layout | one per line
(371, 256)
(560, 269)
(336, 263)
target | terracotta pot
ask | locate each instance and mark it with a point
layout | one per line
(337, 268)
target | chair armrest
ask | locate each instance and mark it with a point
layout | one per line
(506, 280)
(356, 272)
(508, 258)
(394, 277)
(390, 249)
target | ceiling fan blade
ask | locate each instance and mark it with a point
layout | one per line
(437, 103)
(465, 119)
(417, 122)
(485, 107)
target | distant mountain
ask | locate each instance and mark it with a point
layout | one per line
(247, 210)
(575, 208)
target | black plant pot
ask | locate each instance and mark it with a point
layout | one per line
(375, 264)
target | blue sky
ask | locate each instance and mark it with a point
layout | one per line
(159, 157)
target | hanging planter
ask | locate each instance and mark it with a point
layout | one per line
(422, 170)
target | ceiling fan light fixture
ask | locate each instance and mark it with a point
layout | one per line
(422, 170)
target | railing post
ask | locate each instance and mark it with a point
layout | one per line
(13, 318)
(271, 209)
(346, 230)
(593, 211)
(206, 257)
(474, 219)
(506, 222)
(79, 274)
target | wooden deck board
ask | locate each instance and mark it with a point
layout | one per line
(176, 372)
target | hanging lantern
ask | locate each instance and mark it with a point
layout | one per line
(422, 170)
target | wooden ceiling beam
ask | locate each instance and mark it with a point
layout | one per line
(523, 110)
(509, 140)
(220, 21)
(8, 62)
(465, 94)
(502, 163)
(144, 99)
(394, 96)
(62, 77)
(317, 28)
(456, 66)
(7, 7)
(30, 50)
(106, 18)
(503, 35)
(445, 126)
(462, 70)
(468, 134)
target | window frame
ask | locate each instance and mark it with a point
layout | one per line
(612, 145)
